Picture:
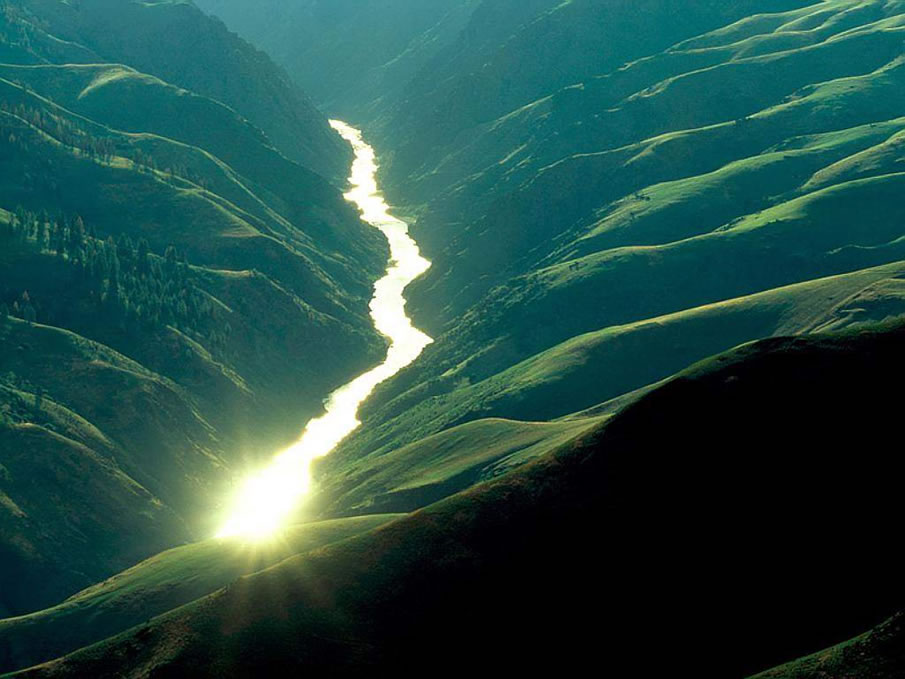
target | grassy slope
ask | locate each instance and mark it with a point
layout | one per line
(155, 586)
(600, 227)
(222, 220)
(265, 310)
(279, 253)
(548, 170)
(66, 482)
(702, 520)
(513, 54)
(601, 365)
(178, 43)
(438, 466)
(877, 654)
(291, 200)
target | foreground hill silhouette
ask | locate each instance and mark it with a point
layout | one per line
(736, 517)
(160, 584)
(876, 654)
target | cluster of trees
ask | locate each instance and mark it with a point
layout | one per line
(21, 402)
(62, 129)
(19, 118)
(12, 28)
(21, 308)
(128, 285)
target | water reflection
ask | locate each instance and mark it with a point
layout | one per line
(267, 499)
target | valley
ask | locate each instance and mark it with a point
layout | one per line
(271, 497)
(592, 360)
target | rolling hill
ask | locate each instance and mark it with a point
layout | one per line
(634, 195)
(724, 477)
(160, 584)
(175, 41)
(177, 296)
(654, 435)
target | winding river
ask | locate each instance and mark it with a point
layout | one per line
(268, 499)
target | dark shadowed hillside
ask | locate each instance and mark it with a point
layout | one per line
(703, 520)
(155, 586)
(876, 654)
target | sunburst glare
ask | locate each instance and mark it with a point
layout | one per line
(270, 497)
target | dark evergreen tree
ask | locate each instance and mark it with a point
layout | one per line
(28, 309)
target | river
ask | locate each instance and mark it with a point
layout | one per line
(271, 497)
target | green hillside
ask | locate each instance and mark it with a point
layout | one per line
(877, 654)
(175, 41)
(724, 475)
(602, 208)
(545, 173)
(435, 467)
(169, 282)
(155, 586)
(591, 368)
(654, 434)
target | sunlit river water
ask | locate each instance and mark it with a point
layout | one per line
(270, 497)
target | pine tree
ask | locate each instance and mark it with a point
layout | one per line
(28, 310)
(144, 255)
(56, 238)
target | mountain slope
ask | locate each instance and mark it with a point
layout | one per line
(351, 57)
(589, 369)
(637, 195)
(176, 298)
(155, 586)
(877, 654)
(175, 41)
(646, 522)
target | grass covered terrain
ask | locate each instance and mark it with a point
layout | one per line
(877, 654)
(606, 233)
(158, 585)
(724, 477)
(437, 466)
(177, 292)
(173, 40)
(609, 191)
(595, 367)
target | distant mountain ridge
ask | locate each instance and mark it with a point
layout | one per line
(174, 41)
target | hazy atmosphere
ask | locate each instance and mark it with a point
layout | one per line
(373, 338)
